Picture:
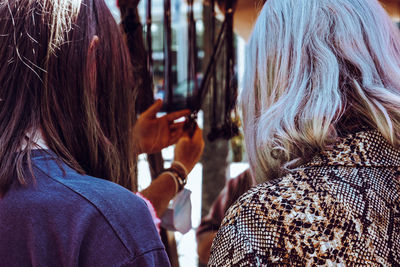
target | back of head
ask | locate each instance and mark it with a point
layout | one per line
(316, 70)
(80, 96)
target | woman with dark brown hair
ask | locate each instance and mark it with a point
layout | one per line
(67, 115)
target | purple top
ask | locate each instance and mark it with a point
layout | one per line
(68, 219)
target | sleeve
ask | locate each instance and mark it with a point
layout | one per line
(232, 248)
(153, 213)
(231, 192)
(233, 245)
(149, 259)
(119, 230)
(104, 244)
(275, 225)
(244, 238)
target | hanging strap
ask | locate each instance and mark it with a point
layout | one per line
(168, 55)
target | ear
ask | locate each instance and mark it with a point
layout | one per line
(94, 43)
(93, 46)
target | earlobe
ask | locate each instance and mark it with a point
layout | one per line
(94, 43)
(91, 53)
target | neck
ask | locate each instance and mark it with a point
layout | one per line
(38, 140)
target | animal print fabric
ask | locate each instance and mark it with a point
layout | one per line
(340, 209)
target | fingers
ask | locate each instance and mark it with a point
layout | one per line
(153, 109)
(188, 150)
(177, 125)
(175, 136)
(176, 131)
(177, 114)
(197, 134)
(198, 138)
(151, 112)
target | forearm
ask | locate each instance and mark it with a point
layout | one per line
(160, 192)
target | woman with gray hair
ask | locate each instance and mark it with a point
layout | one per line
(321, 112)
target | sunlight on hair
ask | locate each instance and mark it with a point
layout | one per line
(64, 13)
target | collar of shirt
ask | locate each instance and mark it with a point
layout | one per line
(362, 149)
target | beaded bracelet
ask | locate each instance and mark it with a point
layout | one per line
(179, 173)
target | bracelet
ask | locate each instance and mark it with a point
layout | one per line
(179, 165)
(179, 174)
(175, 180)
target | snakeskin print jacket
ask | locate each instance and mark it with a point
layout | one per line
(340, 209)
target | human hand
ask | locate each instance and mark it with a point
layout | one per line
(154, 134)
(189, 149)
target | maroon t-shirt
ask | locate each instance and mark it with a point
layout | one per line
(233, 189)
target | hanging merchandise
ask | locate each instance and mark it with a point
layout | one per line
(224, 48)
(149, 39)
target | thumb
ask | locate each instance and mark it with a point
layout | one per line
(153, 109)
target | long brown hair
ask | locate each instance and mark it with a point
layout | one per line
(47, 84)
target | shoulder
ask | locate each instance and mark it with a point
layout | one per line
(283, 196)
(107, 197)
(281, 221)
(336, 209)
(117, 208)
(76, 220)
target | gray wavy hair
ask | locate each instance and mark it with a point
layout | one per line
(317, 69)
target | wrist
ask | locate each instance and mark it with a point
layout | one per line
(187, 166)
(172, 175)
(180, 166)
(178, 172)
